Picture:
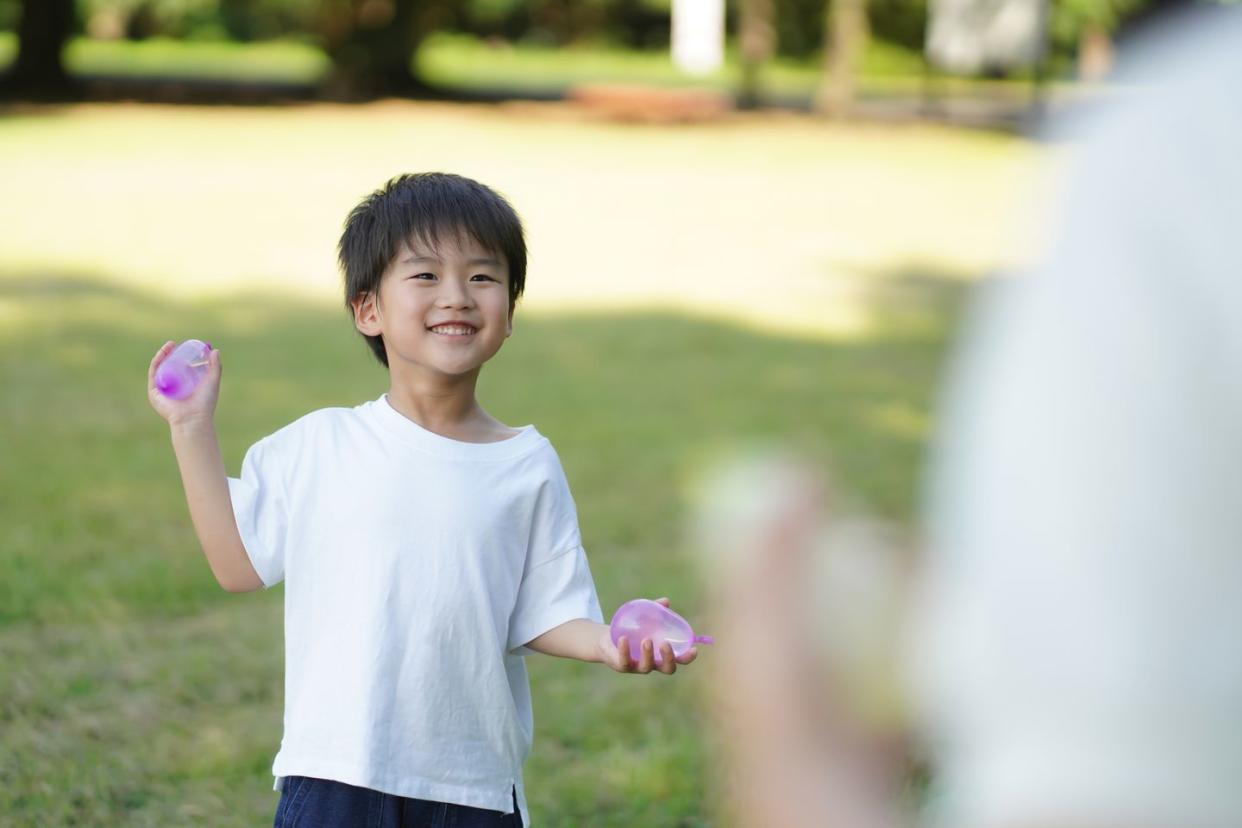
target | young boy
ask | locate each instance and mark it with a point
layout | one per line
(425, 546)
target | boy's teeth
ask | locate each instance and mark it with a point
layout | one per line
(452, 329)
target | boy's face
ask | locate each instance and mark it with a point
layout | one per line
(441, 312)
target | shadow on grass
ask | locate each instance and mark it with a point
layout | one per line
(175, 722)
(93, 510)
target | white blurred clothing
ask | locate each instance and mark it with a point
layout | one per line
(1080, 643)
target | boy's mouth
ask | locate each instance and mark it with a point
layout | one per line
(453, 329)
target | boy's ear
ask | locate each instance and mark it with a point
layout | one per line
(366, 314)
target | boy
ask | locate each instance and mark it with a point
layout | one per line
(426, 547)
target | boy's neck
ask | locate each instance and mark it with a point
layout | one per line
(450, 411)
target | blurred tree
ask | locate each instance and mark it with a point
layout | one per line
(562, 22)
(372, 44)
(800, 24)
(845, 38)
(1089, 25)
(143, 19)
(756, 42)
(42, 30)
(643, 25)
(903, 22)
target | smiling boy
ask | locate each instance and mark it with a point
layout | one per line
(425, 546)
(440, 312)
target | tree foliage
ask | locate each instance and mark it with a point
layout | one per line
(372, 43)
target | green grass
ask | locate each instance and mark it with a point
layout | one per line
(689, 289)
(143, 690)
(279, 61)
(465, 62)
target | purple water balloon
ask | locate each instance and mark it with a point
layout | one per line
(644, 618)
(183, 369)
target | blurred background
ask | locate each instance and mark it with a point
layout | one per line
(747, 220)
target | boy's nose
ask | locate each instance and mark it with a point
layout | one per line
(453, 295)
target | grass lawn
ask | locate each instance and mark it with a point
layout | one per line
(760, 278)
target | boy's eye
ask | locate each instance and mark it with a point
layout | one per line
(482, 276)
(423, 276)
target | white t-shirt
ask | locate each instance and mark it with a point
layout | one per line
(1081, 658)
(415, 568)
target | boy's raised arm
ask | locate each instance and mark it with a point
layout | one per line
(211, 510)
(203, 476)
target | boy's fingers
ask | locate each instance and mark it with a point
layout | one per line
(689, 656)
(155, 362)
(648, 656)
(663, 601)
(210, 378)
(668, 663)
(623, 654)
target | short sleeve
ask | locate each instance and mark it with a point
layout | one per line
(556, 583)
(552, 593)
(261, 511)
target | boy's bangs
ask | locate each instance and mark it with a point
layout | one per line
(429, 240)
(427, 227)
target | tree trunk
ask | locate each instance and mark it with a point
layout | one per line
(757, 41)
(845, 37)
(44, 28)
(1095, 53)
(372, 44)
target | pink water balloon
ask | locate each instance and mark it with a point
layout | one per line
(182, 370)
(644, 618)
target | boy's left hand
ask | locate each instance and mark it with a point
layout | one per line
(617, 656)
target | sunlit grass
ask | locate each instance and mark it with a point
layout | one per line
(776, 222)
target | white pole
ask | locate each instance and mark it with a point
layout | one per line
(698, 35)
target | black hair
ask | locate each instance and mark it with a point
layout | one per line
(426, 208)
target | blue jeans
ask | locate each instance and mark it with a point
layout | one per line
(307, 802)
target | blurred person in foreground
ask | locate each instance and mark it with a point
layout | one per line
(1075, 642)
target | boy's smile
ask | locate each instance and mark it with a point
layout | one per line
(442, 312)
(453, 329)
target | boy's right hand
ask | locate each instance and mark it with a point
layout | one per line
(200, 406)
